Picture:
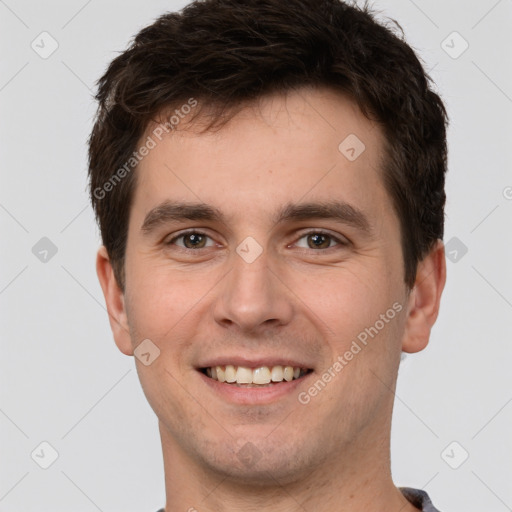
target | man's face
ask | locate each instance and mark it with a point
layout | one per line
(301, 258)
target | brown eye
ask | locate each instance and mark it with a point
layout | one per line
(192, 240)
(319, 241)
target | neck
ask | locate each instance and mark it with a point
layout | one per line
(358, 479)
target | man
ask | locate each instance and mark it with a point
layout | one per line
(268, 178)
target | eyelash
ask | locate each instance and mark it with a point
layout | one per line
(312, 232)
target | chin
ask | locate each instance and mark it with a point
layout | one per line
(259, 463)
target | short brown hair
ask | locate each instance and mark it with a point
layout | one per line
(228, 52)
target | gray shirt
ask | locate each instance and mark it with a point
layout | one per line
(417, 497)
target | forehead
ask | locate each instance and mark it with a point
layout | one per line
(308, 145)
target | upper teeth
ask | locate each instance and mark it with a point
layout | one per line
(261, 375)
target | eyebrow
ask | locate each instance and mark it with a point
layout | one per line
(331, 210)
(169, 211)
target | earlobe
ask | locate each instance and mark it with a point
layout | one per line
(114, 299)
(424, 299)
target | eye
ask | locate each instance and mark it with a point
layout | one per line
(191, 240)
(318, 240)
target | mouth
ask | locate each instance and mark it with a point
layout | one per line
(259, 377)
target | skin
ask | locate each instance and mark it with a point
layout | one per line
(293, 301)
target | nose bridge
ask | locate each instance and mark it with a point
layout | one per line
(251, 296)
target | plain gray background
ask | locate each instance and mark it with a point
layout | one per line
(62, 379)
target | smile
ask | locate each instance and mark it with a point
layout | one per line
(261, 376)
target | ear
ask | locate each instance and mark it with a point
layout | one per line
(424, 299)
(114, 299)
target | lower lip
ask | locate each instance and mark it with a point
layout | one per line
(253, 395)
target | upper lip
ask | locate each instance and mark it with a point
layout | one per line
(253, 362)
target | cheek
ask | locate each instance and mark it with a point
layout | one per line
(168, 307)
(162, 297)
(161, 311)
(359, 310)
(348, 297)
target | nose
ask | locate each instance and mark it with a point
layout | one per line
(252, 298)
